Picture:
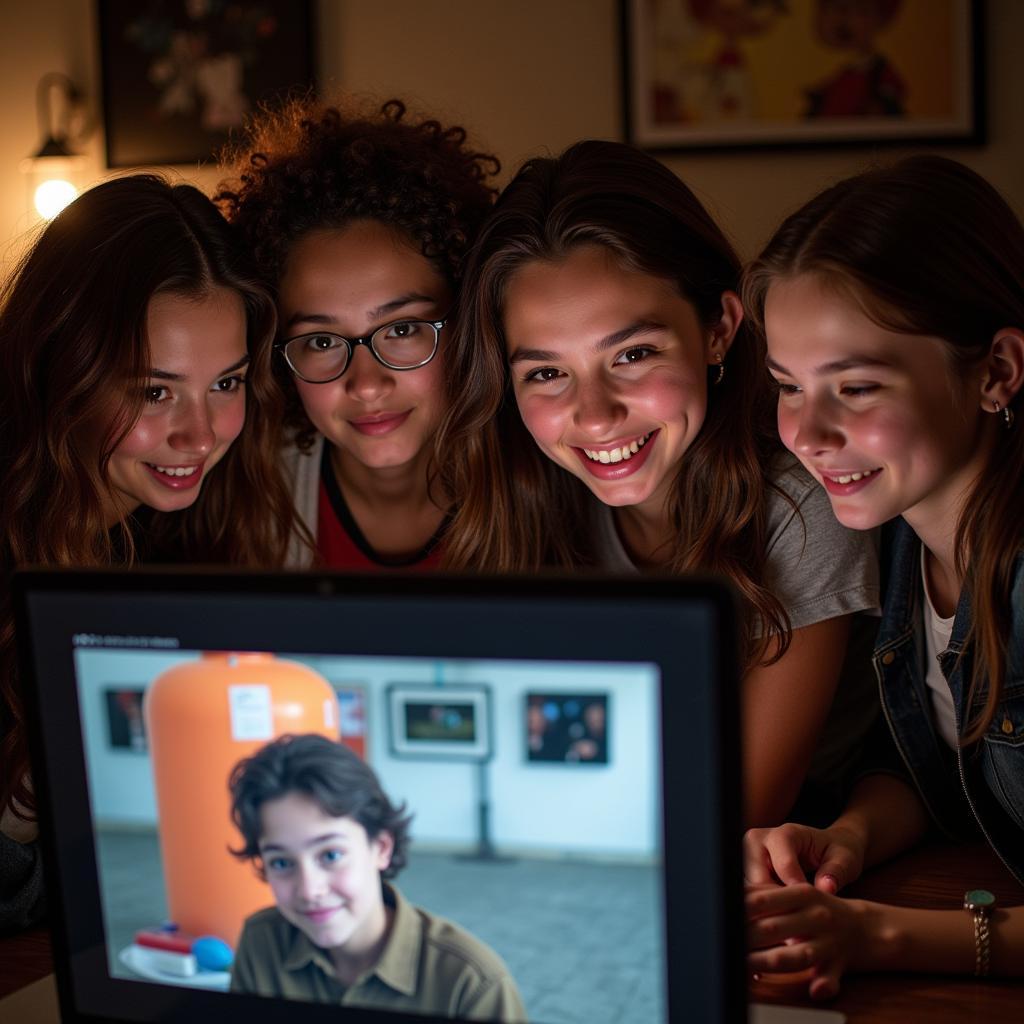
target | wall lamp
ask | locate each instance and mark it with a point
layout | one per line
(54, 171)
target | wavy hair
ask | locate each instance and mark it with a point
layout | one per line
(72, 332)
(324, 771)
(928, 247)
(515, 509)
(308, 166)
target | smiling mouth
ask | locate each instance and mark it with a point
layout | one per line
(850, 478)
(626, 451)
(174, 470)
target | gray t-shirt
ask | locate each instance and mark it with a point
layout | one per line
(819, 570)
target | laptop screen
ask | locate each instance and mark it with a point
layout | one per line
(417, 799)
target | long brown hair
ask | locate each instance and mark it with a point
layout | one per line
(928, 247)
(72, 333)
(515, 509)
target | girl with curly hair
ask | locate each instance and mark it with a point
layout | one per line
(361, 222)
(609, 409)
(135, 348)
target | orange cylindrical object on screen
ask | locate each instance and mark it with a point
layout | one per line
(202, 718)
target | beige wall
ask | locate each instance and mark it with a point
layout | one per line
(526, 77)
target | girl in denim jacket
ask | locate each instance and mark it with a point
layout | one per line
(893, 307)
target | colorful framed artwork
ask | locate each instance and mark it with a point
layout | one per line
(180, 75)
(567, 728)
(449, 722)
(732, 74)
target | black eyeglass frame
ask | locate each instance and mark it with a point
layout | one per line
(367, 340)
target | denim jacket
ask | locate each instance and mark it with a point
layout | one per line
(982, 786)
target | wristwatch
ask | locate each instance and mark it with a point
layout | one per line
(980, 903)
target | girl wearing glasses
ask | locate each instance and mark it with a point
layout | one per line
(609, 409)
(362, 222)
(135, 346)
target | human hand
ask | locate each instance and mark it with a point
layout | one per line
(787, 854)
(798, 928)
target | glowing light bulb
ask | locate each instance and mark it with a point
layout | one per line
(52, 196)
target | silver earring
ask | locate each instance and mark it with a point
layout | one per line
(1007, 414)
(721, 369)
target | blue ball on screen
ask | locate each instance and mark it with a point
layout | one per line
(212, 954)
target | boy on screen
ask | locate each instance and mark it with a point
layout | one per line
(325, 836)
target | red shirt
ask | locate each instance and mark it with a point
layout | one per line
(341, 544)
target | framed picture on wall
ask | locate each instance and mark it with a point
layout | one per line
(352, 716)
(126, 727)
(731, 74)
(448, 722)
(179, 75)
(567, 728)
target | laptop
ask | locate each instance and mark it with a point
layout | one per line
(565, 752)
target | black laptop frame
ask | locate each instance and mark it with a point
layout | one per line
(58, 761)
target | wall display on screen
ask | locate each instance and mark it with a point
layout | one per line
(440, 721)
(126, 727)
(567, 728)
(352, 716)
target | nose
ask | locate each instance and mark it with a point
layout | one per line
(817, 428)
(193, 432)
(366, 379)
(311, 883)
(599, 410)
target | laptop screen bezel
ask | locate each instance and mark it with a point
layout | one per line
(653, 604)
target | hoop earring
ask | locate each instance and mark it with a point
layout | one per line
(721, 369)
(1007, 414)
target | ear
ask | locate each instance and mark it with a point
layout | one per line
(383, 846)
(723, 332)
(1003, 368)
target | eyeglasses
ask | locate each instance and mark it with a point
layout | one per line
(321, 357)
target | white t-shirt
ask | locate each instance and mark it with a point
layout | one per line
(819, 570)
(937, 632)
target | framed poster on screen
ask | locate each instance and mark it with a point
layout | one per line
(567, 728)
(446, 722)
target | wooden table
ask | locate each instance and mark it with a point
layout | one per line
(933, 876)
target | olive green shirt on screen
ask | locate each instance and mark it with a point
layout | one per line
(429, 965)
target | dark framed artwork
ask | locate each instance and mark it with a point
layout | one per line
(567, 728)
(734, 74)
(126, 727)
(448, 722)
(179, 75)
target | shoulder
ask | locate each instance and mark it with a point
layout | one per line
(816, 566)
(459, 949)
(265, 928)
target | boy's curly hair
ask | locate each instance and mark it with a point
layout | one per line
(308, 165)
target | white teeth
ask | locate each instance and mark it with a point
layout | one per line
(176, 470)
(852, 477)
(627, 451)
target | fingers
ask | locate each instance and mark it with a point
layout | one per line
(765, 933)
(837, 869)
(779, 854)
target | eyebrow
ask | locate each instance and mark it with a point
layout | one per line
(315, 841)
(372, 314)
(156, 374)
(836, 366)
(538, 355)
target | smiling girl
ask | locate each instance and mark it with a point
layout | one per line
(610, 409)
(361, 222)
(134, 348)
(893, 305)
